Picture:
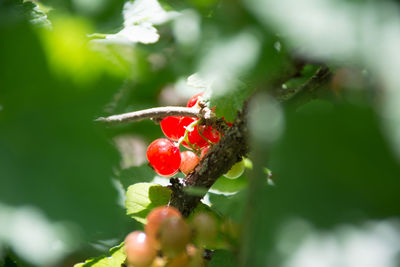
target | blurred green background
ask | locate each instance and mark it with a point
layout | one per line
(334, 160)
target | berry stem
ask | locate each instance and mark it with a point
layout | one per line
(202, 136)
(185, 138)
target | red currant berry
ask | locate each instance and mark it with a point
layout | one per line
(164, 156)
(227, 122)
(175, 234)
(189, 161)
(174, 127)
(204, 151)
(198, 135)
(139, 251)
(193, 100)
(154, 220)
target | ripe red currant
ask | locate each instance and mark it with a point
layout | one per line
(189, 161)
(154, 220)
(198, 135)
(164, 156)
(193, 100)
(139, 251)
(174, 127)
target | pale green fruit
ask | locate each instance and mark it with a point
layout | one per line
(236, 170)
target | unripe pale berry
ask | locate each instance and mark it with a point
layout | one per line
(196, 256)
(189, 161)
(139, 251)
(180, 261)
(175, 234)
(155, 219)
(205, 229)
(236, 170)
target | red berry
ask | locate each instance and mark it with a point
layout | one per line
(154, 220)
(139, 251)
(204, 152)
(193, 100)
(164, 156)
(227, 122)
(207, 131)
(189, 161)
(175, 234)
(174, 127)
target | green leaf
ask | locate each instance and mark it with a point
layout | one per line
(141, 198)
(114, 258)
(228, 104)
(332, 166)
(222, 68)
(223, 258)
(231, 206)
(134, 175)
(63, 169)
(225, 185)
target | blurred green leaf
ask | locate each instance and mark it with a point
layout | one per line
(223, 258)
(134, 175)
(141, 198)
(115, 257)
(354, 41)
(231, 206)
(83, 65)
(225, 185)
(52, 155)
(228, 104)
(332, 166)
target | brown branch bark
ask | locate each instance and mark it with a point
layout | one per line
(218, 160)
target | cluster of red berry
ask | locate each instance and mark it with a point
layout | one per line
(168, 240)
(164, 154)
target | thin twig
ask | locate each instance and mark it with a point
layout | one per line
(154, 113)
